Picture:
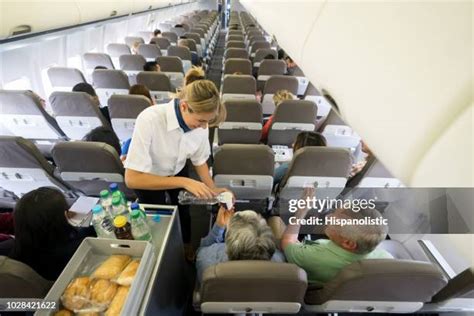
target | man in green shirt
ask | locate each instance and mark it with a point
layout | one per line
(324, 258)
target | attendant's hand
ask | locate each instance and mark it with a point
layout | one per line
(223, 217)
(199, 189)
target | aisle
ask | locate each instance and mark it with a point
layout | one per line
(215, 70)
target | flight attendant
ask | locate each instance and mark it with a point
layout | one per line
(165, 136)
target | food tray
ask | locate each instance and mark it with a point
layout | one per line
(91, 253)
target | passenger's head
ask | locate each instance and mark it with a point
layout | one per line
(282, 95)
(40, 223)
(140, 89)
(100, 67)
(309, 139)
(104, 134)
(248, 237)
(151, 66)
(194, 74)
(134, 48)
(87, 88)
(269, 56)
(156, 32)
(360, 239)
(281, 54)
(200, 104)
(289, 62)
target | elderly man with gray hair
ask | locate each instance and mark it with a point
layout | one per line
(247, 237)
(324, 258)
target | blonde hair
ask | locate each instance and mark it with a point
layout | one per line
(282, 95)
(193, 74)
(202, 96)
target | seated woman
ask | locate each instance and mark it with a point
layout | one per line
(278, 98)
(44, 239)
(140, 89)
(104, 134)
(247, 237)
(302, 140)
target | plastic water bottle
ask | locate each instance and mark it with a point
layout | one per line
(113, 187)
(117, 206)
(102, 223)
(106, 201)
(136, 206)
(140, 229)
(186, 197)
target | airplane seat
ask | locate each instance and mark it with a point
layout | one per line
(457, 295)
(191, 45)
(109, 82)
(131, 65)
(23, 168)
(251, 286)
(235, 44)
(64, 79)
(406, 285)
(149, 51)
(159, 85)
(233, 65)
(21, 281)
(165, 27)
(272, 85)
(93, 60)
(261, 53)
(238, 87)
(76, 113)
(374, 175)
(268, 68)
(202, 37)
(115, 50)
(123, 110)
(173, 67)
(256, 45)
(130, 40)
(183, 53)
(254, 39)
(236, 53)
(290, 118)
(248, 181)
(238, 38)
(196, 37)
(243, 124)
(396, 249)
(22, 114)
(145, 35)
(90, 175)
(323, 168)
(179, 31)
(171, 36)
(324, 107)
(163, 43)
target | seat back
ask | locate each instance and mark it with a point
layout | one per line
(163, 43)
(197, 38)
(236, 53)
(132, 63)
(76, 113)
(182, 53)
(179, 31)
(237, 38)
(189, 43)
(272, 85)
(149, 51)
(235, 44)
(21, 281)
(89, 175)
(64, 79)
(270, 67)
(232, 170)
(374, 175)
(131, 40)
(115, 50)
(23, 168)
(233, 65)
(341, 136)
(321, 167)
(173, 67)
(92, 60)
(239, 87)
(171, 36)
(109, 82)
(159, 85)
(261, 53)
(123, 110)
(22, 114)
(290, 118)
(252, 286)
(406, 286)
(256, 45)
(243, 124)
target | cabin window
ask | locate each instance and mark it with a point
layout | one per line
(75, 62)
(22, 83)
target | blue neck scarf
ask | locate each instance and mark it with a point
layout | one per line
(179, 116)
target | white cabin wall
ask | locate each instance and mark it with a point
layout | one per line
(207, 4)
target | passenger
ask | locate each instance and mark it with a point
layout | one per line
(104, 134)
(269, 57)
(303, 139)
(44, 239)
(100, 68)
(134, 48)
(324, 258)
(157, 33)
(194, 74)
(291, 66)
(164, 138)
(357, 168)
(278, 98)
(87, 88)
(247, 237)
(184, 42)
(140, 89)
(151, 66)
